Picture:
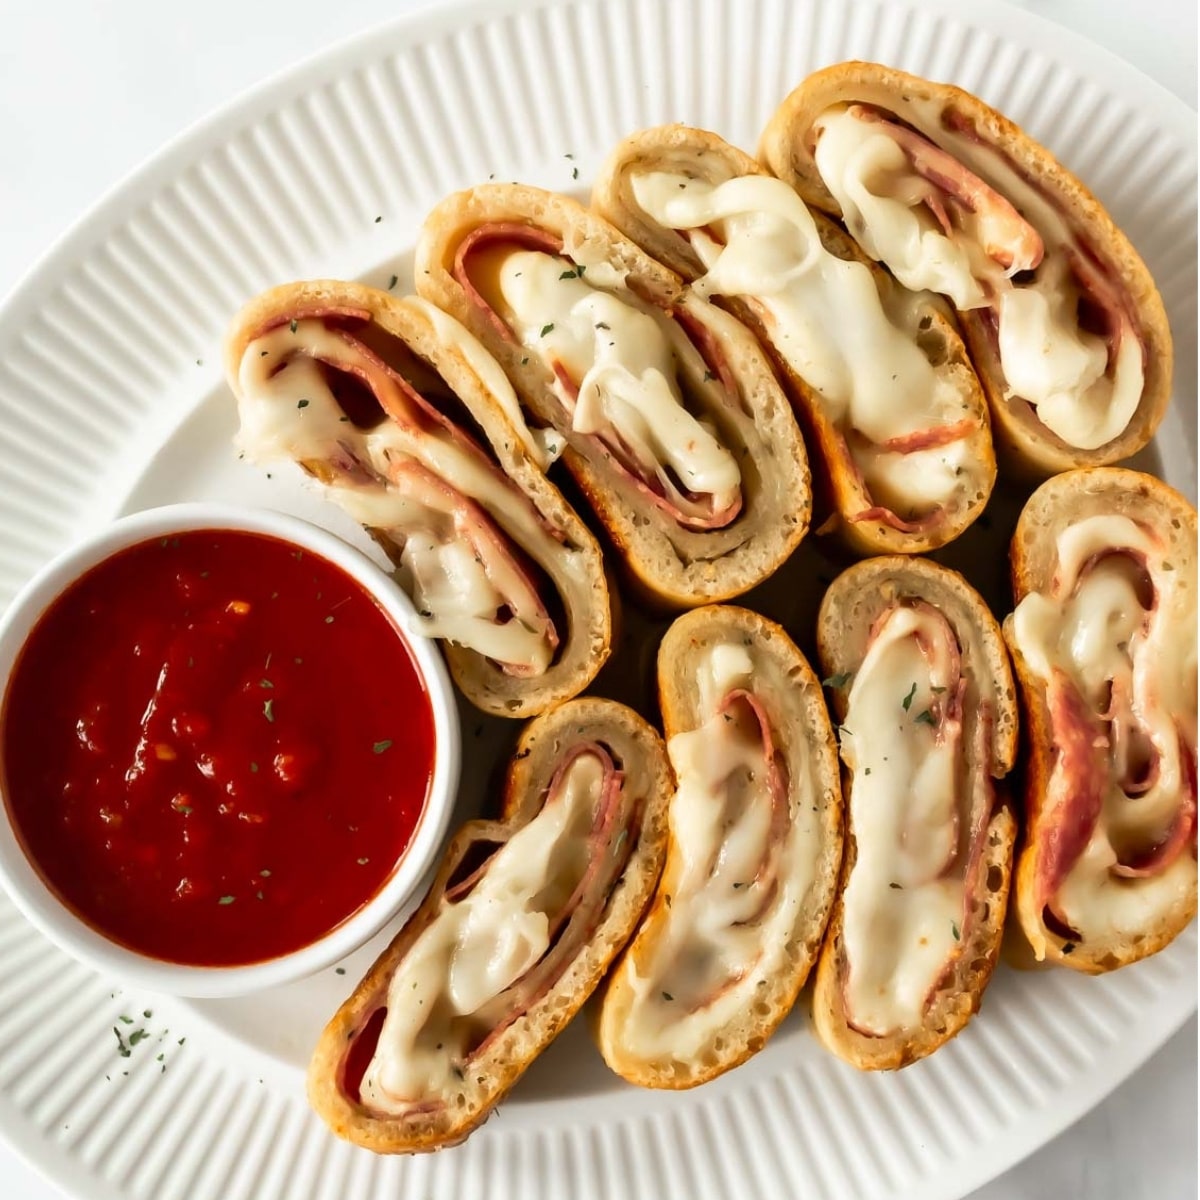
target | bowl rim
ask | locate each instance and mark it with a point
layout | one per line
(70, 932)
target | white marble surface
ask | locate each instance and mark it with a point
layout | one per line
(88, 90)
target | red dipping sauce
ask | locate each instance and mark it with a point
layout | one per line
(216, 747)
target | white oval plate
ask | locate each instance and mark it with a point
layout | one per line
(111, 400)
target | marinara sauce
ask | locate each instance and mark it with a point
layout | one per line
(216, 747)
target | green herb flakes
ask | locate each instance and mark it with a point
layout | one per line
(838, 681)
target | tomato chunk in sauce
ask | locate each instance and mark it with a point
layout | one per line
(215, 747)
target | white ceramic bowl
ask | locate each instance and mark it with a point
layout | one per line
(45, 910)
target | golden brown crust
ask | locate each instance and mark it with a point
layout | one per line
(671, 565)
(1059, 501)
(580, 581)
(703, 155)
(851, 605)
(1025, 444)
(638, 750)
(804, 740)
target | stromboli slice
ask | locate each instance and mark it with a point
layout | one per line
(1065, 325)
(677, 432)
(504, 951)
(408, 424)
(924, 691)
(1104, 642)
(754, 846)
(880, 378)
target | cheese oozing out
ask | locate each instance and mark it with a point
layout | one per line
(903, 905)
(448, 990)
(1093, 626)
(738, 894)
(544, 446)
(623, 360)
(829, 321)
(407, 483)
(1048, 358)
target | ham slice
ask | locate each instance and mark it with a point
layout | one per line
(777, 787)
(477, 530)
(1181, 834)
(929, 439)
(1077, 785)
(688, 509)
(1110, 301)
(879, 512)
(572, 925)
(974, 796)
(514, 232)
(1097, 750)
(1005, 235)
(502, 563)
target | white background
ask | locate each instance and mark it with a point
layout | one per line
(89, 89)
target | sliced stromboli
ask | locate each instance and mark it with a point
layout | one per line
(676, 429)
(924, 692)
(879, 377)
(1065, 325)
(754, 846)
(409, 425)
(1104, 642)
(523, 919)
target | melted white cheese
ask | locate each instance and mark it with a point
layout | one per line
(826, 315)
(902, 915)
(289, 412)
(1061, 370)
(882, 198)
(913, 482)
(544, 446)
(1096, 631)
(479, 946)
(717, 943)
(1047, 358)
(622, 363)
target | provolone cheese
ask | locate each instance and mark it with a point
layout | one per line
(1048, 359)
(903, 910)
(1093, 626)
(289, 412)
(622, 362)
(825, 315)
(545, 446)
(729, 924)
(882, 202)
(1060, 369)
(478, 946)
